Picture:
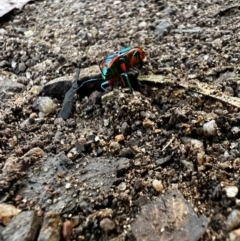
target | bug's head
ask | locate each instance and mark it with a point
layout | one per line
(106, 73)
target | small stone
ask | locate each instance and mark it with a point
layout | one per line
(67, 229)
(8, 85)
(87, 21)
(4, 31)
(68, 185)
(24, 227)
(139, 133)
(233, 220)
(7, 212)
(57, 87)
(157, 185)
(142, 25)
(29, 33)
(47, 105)
(12, 141)
(33, 115)
(61, 59)
(148, 124)
(80, 144)
(157, 131)
(201, 168)
(194, 144)
(236, 164)
(24, 58)
(231, 191)
(138, 185)
(34, 154)
(125, 128)
(234, 235)
(22, 67)
(229, 91)
(114, 147)
(19, 152)
(50, 228)
(12, 164)
(225, 165)
(119, 138)
(235, 130)
(4, 63)
(210, 128)
(99, 151)
(107, 225)
(35, 90)
(122, 186)
(126, 152)
(106, 122)
(163, 160)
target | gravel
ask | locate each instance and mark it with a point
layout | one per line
(119, 152)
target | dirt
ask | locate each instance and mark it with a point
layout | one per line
(118, 153)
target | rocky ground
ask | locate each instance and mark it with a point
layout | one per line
(162, 164)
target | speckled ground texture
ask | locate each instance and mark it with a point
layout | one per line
(99, 167)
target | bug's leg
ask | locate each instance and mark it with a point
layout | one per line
(104, 83)
(128, 81)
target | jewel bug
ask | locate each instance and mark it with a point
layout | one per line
(117, 64)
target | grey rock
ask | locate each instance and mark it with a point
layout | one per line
(4, 63)
(163, 160)
(107, 225)
(22, 67)
(23, 227)
(126, 152)
(157, 215)
(233, 220)
(50, 230)
(125, 128)
(96, 173)
(56, 88)
(9, 87)
(24, 58)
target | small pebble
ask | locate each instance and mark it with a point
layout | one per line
(231, 191)
(47, 105)
(114, 147)
(148, 124)
(157, 185)
(233, 220)
(22, 67)
(122, 186)
(107, 225)
(210, 128)
(68, 185)
(35, 90)
(142, 25)
(67, 229)
(235, 235)
(119, 138)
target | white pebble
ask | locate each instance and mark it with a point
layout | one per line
(68, 185)
(157, 185)
(47, 105)
(231, 191)
(142, 25)
(210, 128)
